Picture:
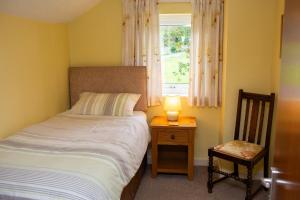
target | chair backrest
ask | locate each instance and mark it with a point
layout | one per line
(254, 113)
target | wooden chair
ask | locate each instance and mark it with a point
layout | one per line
(246, 148)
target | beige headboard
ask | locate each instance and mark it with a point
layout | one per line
(109, 80)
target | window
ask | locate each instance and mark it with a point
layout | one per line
(175, 40)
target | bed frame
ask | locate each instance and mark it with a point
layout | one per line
(130, 190)
(113, 80)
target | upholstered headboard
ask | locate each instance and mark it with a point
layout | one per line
(109, 80)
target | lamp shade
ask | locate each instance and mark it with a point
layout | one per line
(172, 103)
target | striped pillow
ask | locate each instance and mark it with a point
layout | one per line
(118, 104)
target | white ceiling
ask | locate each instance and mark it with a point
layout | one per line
(47, 10)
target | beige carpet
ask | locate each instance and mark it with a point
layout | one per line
(177, 187)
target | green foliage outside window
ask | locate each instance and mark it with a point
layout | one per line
(176, 53)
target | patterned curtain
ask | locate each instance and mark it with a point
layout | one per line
(141, 42)
(205, 87)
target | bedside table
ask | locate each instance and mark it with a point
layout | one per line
(173, 146)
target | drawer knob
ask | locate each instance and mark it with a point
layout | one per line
(172, 137)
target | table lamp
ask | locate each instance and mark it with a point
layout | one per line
(172, 106)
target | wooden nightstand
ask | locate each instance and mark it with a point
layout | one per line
(173, 146)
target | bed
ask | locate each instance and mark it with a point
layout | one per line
(81, 156)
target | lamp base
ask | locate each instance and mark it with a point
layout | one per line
(172, 116)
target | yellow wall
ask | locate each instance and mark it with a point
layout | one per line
(276, 67)
(175, 8)
(33, 72)
(277, 59)
(96, 39)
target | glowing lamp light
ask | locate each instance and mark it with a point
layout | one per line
(172, 106)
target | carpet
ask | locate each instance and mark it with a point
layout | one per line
(178, 187)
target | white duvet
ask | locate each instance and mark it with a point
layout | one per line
(73, 157)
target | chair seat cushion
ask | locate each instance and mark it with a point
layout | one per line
(240, 149)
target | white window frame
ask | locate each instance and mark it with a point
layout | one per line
(175, 20)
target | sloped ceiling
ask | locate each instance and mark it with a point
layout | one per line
(54, 11)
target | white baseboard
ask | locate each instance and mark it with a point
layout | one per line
(201, 162)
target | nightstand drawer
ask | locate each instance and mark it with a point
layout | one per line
(172, 137)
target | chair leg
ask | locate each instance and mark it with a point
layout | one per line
(210, 172)
(249, 183)
(266, 166)
(236, 169)
(266, 169)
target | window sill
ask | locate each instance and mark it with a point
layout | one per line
(174, 89)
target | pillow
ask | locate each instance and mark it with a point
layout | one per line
(112, 104)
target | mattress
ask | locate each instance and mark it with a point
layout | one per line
(73, 157)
